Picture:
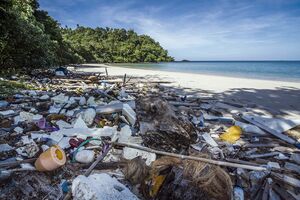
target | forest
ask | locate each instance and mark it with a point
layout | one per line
(30, 38)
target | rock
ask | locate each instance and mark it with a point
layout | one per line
(85, 156)
(100, 187)
(88, 116)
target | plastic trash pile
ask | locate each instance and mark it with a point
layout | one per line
(93, 136)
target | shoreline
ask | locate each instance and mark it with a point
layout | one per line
(180, 77)
(278, 97)
(212, 74)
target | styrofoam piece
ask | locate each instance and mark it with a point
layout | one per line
(89, 115)
(85, 156)
(125, 134)
(129, 113)
(130, 153)
(100, 187)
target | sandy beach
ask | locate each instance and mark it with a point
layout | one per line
(278, 97)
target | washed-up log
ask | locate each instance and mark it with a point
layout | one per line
(206, 160)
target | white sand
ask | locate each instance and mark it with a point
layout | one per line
(281, 96)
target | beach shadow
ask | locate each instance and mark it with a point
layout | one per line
(278, 101)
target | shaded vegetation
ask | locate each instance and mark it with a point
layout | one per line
(30, 38)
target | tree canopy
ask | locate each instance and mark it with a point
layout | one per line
(30, 38)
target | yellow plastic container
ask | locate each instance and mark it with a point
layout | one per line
(51, 159)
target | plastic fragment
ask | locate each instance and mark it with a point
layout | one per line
(232, 134)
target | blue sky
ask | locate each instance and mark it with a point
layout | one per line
(196, 30)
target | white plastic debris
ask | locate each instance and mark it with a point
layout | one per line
(26, 116)
(54, 109)
(7, 112)
(88, 116)
(30, 150)
(63, 125)
(238, 193)
(130, 153)
(85, 156)
(125, 134)
(44, 97)
(26, 140)
(91, 101)
(209, 140)
(79, 123)
(129, 113)
(82, 101)
(60, 99)
(278, 124)
(83, 133)
(274, 165)
(64, 143)
(5, 147)
(18, 130)
(3, 104)
(100, 187)
(56, 136)
(249, 128)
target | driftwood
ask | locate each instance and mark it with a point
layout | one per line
(206, 160)
(271, 131)
(176, 103)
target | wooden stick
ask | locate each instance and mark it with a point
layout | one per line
(16, 163)
(269, 130)
(106, 71)
(214, 162)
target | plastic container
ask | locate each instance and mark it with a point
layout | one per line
(51, 159)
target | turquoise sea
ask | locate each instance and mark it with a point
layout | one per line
(271, 70)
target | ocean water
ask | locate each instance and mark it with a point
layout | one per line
(268, 70)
